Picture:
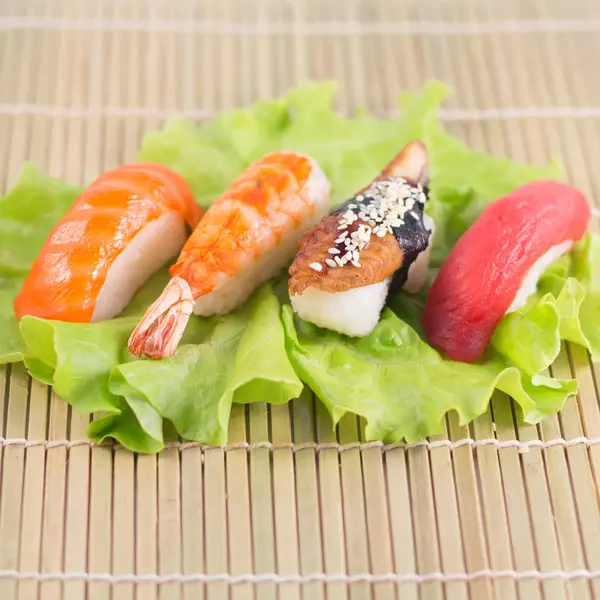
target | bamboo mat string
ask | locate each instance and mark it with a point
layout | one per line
(522, 446)
(448, 115)
(275, 578)
(329, 27)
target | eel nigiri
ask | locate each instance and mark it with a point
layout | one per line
(118, 232)
(346, 265)
(246, 236)
(494, 267)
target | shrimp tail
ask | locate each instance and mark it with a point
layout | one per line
(160, 329)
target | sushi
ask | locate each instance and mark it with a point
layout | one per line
(246, 236)
(375, 243)
(495, 265)
(119, 231)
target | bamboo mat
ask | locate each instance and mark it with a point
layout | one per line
(289, 510)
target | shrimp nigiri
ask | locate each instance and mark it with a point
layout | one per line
(118, 232)
(341, 276)
(246, 236)
(494, 267)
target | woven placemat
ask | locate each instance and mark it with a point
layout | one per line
(288, 509)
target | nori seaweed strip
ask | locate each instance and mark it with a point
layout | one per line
(412, 236)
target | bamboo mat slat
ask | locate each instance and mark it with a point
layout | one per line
(81, 81)
(238, 504)
(467, 492)
(307, 498)
(285, 518)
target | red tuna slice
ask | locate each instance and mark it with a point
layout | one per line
(484, 271)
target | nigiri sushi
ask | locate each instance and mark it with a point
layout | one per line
(118, 232)
(246, 236)
(494, 267)
(345, 267)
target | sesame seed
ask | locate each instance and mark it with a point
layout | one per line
(330, 263)
(356, 264)
(316, 266)
(376, 211)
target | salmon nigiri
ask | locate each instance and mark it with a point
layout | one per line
(247, 235)
(345, 267)
(494, 267)
(119, 231)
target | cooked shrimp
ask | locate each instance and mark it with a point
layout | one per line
(246, 236)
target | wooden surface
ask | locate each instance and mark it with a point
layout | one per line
(310, 515)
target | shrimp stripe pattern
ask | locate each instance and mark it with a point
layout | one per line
(266, 201)
(245, 237)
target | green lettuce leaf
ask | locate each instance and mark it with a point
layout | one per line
(566, 307)
(237, 358)
(77, 360)
(579, 300)
(530, 336)
(125, 427)
(27, 215)
(12, 347)
(351, 150)
(402, 386)
(464, 182)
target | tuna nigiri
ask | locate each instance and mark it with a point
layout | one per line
(246, 236)
(119, 231)
(495, 265)
(343, 271)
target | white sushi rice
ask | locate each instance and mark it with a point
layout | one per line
(354, 312)
(236, 290)
(419, 270)
(529, 285)
(150, 249)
